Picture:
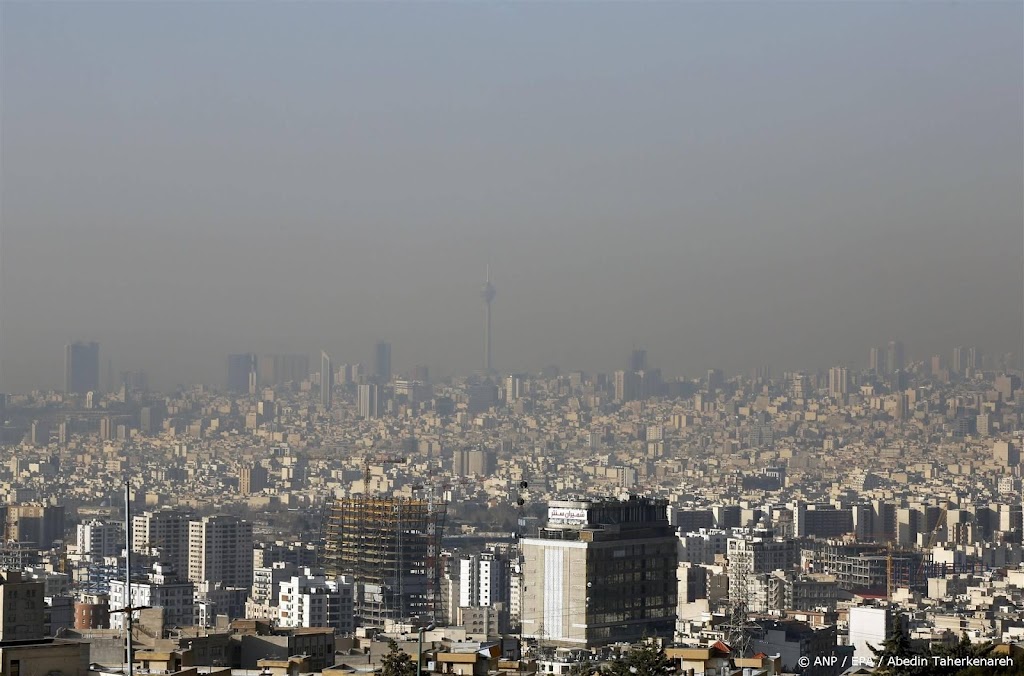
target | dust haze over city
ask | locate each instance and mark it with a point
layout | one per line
(727, 186)
(511, 338)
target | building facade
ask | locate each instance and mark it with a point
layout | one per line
(220, 550)
(600, 572)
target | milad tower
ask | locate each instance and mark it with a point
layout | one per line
(487, 293)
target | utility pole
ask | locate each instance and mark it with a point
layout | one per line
(128, 574)
(128, 609)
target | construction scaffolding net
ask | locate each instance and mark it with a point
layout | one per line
(391, 547)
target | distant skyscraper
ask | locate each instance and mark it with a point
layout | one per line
(838, 381)
(81, 368)
(625, 386)
(894, 359)
(278, 369)
(638, 360)
(241, 369)
(369, 401)
(716, 380)
(875, 361)
(326, 380)
(974, 359)
(959, 359)
(487, 293)
(382, 362)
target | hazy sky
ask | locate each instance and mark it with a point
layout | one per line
(725, 184)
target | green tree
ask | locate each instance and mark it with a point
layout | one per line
(397, 662)
(582, 669)
(1015, 669)
(644, 660)
(897, 655)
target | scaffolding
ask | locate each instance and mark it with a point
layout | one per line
(391, 547)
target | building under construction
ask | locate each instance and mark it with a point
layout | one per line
(391, 547)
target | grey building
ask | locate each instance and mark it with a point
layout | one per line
(599, 572)
(81, 367)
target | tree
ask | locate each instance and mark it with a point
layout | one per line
(397, 662)
(582, 669)
(898, 656)
(647, 659)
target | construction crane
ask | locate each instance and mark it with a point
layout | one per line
(888, 571)
(382, 460)
(939, 522)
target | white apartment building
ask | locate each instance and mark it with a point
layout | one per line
(163, 533)
(482, 580)
(99, 539)
(163, 589)
(310, 599)
(220, 550)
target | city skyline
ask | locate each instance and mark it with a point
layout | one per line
(752, 399)
(665, 174)
(247, 370)
(260, 370)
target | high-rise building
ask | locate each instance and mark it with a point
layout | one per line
(515, 387)
(220, 550)
(279, 369)
(326, 380)
(99, 539)
(369, 403)
(392, 548)
(751, 557)
(39, 524)
(162, 534)
(135, 380)
(600, 572)
(875, 361)
(252, 479)
(838, 381)
(762, 431)
(382, 362)
(241, 371)
(472, 461)
(81, 367)
(638, 360)
(481, 396)
(894, 357)
(483, 580)
(959, 360)
(21, 607)
(715, 380)
(487, 293)
(625, 386)
(974, 359)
